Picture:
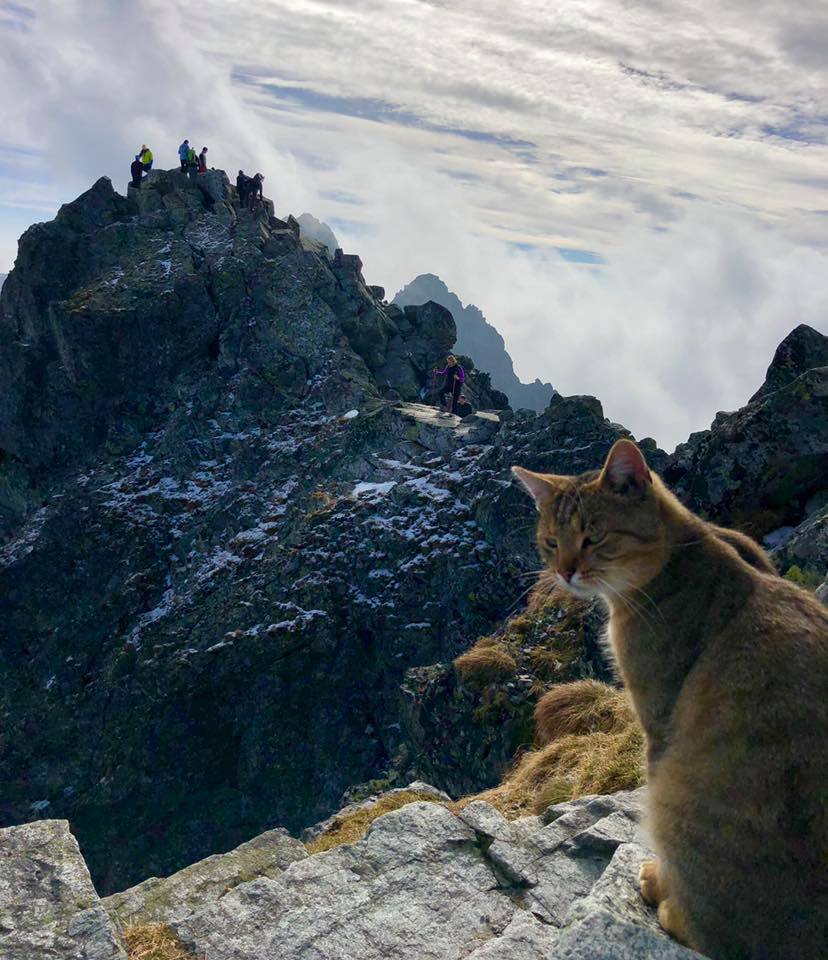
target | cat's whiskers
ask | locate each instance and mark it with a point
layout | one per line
(630, 604)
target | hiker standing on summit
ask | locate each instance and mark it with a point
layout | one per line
(184, 155)
(455, 377)
(202, 160)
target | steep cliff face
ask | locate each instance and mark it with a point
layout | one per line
(480, 340)
(227, 535)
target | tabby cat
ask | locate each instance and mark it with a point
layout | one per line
(726, 665)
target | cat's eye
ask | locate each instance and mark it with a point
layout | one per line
(594, 540)
(552, 543)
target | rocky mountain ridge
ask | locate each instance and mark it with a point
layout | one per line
(238, 556)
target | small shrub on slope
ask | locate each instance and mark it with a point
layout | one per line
(154, 941)
(352, 826)
(590, 742)
(485, 663)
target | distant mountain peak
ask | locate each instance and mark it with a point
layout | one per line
(312, 229)
(479, 339)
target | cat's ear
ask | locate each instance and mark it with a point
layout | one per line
(539, 486)
(626, 469)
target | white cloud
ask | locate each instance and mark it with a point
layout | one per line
(685, 144)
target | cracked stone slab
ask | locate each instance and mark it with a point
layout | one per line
(177, 896)
(49, 909)
(483, 818)
(525, 938)
(417, 885)
(604, 937)
(616, 891)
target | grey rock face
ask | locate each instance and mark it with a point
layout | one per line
(258, 545)
(757, 468)
(807, 546)
(177, 896)
(49, 909)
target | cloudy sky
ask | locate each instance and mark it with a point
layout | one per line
(634, 193)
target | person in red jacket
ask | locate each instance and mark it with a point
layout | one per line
(202, 160)
(455, 377)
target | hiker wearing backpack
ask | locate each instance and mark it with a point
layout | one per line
(254, 193)
(192, 164)
(136, 171)
(455, 377)
(183, 155)
(242, 186)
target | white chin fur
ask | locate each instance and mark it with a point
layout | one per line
(582, 590)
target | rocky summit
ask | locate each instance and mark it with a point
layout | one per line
(238, 556)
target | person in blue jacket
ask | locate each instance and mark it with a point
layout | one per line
(455, 377)
(184, 155)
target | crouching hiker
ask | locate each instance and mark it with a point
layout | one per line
(463, 408)
(136, 170)
(455, 376)
(145, 156)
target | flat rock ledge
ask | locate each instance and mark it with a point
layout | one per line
(423, 883)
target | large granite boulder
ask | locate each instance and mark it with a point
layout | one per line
(49, 909)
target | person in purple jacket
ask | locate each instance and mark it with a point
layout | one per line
(455, 376)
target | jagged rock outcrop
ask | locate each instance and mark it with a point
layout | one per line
(317, 231)
(49, 909)
(802, 350)
(758, 468)
(479, 339)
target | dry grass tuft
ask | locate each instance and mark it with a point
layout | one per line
(485, 663)
(352, 826)
(592, 744)
(154, 941)
(582, 707)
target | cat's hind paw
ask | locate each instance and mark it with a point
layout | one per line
(671, 918)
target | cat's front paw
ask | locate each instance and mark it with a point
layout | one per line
(649, 883)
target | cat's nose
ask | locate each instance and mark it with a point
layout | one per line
(567, 574)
